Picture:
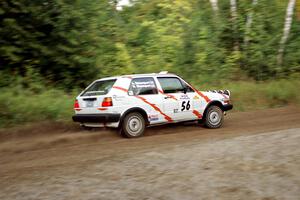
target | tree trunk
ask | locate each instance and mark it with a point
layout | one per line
(286, 30)
(233, 11)
(214, 5)
(249, 23)
(298, 10)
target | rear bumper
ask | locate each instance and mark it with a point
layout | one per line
(96, 118)
(227, 107)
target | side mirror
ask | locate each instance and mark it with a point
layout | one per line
(185, 90)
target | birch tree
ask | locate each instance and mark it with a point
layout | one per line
(233, 11)
(214, 5)
(249, 23)
(286, 30)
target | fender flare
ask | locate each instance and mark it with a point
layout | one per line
(213, 103)
(135, 109)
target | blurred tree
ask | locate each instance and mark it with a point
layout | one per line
(65, 41)
(249, 23)
(286, 30)
(214, 5)
(69, 43)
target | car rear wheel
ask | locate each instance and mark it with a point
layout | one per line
(133, 125)
(214, 117)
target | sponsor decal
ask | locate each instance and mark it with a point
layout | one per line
(184, 96)
(118, 98)
(196, 97)
(153, 117)
(175, 110)
(143, 84)
(201, 94)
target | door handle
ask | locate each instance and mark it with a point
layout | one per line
(167, 97)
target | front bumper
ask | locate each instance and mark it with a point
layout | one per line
(96, 118)
(227, 107)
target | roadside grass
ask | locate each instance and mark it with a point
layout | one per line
(20, 106)
(250, 95)
(23, 106)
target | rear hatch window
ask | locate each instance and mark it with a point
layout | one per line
(99, 88)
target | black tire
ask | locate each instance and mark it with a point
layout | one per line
(133, 125)
(214, 117)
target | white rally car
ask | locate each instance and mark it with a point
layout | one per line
(133, 102)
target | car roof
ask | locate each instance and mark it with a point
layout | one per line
(140, 75)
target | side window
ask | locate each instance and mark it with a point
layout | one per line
(142, 86)
(188, 88)
(99, 88)
(170, 84)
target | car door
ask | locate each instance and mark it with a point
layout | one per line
(145, 95)
(177, 100)
(189, 101)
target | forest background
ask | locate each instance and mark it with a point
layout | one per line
(51, 49)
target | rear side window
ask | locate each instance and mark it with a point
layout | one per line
(142, 86)
(99, 88)
(170, 84)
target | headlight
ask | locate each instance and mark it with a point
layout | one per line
(225, 100)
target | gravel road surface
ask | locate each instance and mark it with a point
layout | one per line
(255, 155)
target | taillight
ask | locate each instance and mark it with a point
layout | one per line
(107, 101)
(76, 105)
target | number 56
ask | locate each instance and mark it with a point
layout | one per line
(185, 105)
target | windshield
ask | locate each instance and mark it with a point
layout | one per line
(99, 88)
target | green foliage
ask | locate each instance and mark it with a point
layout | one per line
(70, 43)
(27, 100)
(66, 44)
(250, 95)
(21, 106)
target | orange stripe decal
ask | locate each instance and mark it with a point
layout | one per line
(168, 118)
(201, 94)
(102, 108)
(195, 112)
(120, 88)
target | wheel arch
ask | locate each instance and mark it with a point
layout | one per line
(135, 109)
(213, 103)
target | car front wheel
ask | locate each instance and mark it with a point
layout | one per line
(214, 117)
(133, 125)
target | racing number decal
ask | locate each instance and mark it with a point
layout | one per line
(185, 105)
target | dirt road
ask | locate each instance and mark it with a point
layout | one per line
(256, 155)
